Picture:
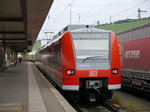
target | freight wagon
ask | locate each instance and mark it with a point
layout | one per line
(135, 57)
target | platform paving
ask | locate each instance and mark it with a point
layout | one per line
(24, 89)
(14, 88)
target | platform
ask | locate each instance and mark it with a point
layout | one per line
(24, 89)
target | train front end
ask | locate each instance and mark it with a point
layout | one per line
(91, 63)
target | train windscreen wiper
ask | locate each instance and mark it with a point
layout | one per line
(102, 57)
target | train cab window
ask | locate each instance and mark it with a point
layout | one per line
(91, 45)
(91, 50)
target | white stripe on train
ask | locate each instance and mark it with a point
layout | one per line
(71, 87)
(116, 86)
(76, 88)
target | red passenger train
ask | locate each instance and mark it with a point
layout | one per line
(82, 60)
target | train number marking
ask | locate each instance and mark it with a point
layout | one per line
(93, 73)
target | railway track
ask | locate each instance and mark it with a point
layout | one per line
(94, 107)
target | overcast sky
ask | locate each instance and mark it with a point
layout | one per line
(91, 11)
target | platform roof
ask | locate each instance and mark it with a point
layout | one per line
(21, 21)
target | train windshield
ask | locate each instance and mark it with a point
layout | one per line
(91, 45)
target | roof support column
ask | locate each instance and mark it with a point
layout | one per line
(2, 57)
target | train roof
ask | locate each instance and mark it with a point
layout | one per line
(79, 28)
(73, 29)
(90, 30)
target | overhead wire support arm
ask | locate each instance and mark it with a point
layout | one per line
(139, 14)
(70, 12)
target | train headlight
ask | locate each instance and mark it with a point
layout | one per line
(115, 71)
(70, 72)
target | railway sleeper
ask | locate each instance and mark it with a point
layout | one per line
(96, 95)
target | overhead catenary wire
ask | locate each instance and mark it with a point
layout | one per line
(95, 13)
(57, 8)
(50, 16)
(63, 12)
(57, 17)
(84, 15)
(130, 8)
(110, 6)
(117, 14)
